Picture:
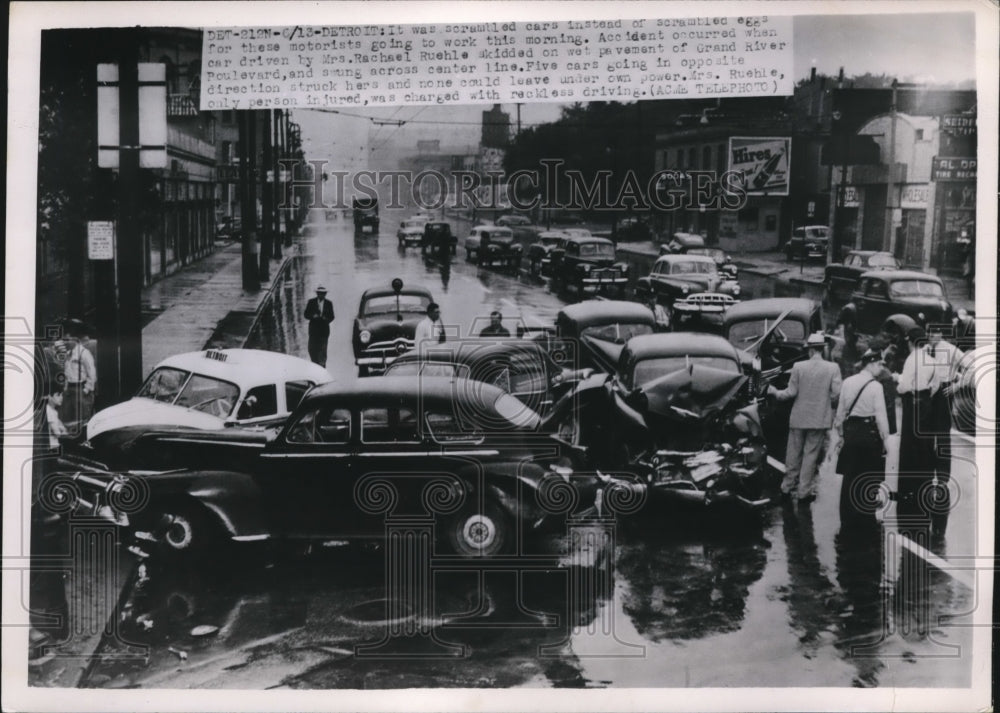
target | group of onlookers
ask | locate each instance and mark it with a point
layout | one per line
(861, 409)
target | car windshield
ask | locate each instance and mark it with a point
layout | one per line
(501, 236)
(649, 369)
(515, 412)
(713, 253)
(597, 250)
(188, 390)
(883, 261)
(743, 334)
(550, 241)
(386, 304)
(817, 232)
(413, 223)
(692, 267)
(915, 288)
(618, 332)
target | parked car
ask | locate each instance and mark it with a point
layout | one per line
(457, 453)
(701, 311)
(682, 242)
(633, 228)
(212, 389)
(229, 229)
(881, 293)
(386, 324)
(723, 262)
(438, 239)
(492, 245)
(366, 218)
(588, 265)
(577, 232)
(808, 242)
(674, 277)
(410, 231)
(537, 259)
(521, 367)
(839, 280)
(520, 224)
(681, 414)
(601, 328)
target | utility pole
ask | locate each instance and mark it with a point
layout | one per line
(248, 203)
(266, 198)
(275, 186)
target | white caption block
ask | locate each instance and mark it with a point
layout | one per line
(495, 62)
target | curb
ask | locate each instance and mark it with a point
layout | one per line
(266, 299)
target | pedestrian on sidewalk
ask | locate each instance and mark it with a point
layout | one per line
(430, 330)
(815, 386)
(863, 426)
(319, 312)
(81, 379)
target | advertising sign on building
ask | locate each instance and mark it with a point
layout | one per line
(764, 163)
(914, 196)
(959, 124)
(953, 169)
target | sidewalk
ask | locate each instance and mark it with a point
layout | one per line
(182, 312)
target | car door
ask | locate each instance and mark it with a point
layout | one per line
(308, 472)
(392, 457)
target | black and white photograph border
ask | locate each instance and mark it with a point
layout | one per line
(647, 599)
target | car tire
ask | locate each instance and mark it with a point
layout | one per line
(479, 532)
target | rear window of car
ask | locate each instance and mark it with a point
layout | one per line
(882, 261)
(915, 288)
(649, 369)
(618, 332)
(743, 334)
(386, 304)
(427, 368)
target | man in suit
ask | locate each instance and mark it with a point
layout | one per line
(319, 312)
(815, 387)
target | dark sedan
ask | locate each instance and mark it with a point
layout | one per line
(452, 453)
(839, 280)
(537, 258)
(880, 294)
(386, 324)
(589, 265)
(651, 356)
(602, 327)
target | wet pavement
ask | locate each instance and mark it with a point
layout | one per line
(667, 599)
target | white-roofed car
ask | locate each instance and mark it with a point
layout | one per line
(213, 389)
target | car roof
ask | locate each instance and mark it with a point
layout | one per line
(552, 234)
(429, 389)
(466, 351)
(247, 367)
(891, 275)
(685, 257)
(593, 312)
(491, 227)
(801, 307)
(675, 343)
(587, 239)
(407, 290)
(811, 227)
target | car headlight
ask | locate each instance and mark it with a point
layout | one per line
(586, 267)
(685, 289)
(365, 336)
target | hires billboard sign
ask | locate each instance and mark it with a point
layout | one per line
(764, 162)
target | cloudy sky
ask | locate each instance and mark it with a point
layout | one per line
(913, 47)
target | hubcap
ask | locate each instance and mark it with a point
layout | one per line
(479, 531)
(179, 533)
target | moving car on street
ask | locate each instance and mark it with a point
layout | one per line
(212, 389)
(674, 277)
(492, 245)
(537, 259)
(879, 294)
(601, 328)
(808, 242)
(682, 242)
(436, 238)
(839, 280)
(589, 266)
(455, 454)
(386, 324)
(411, 232)
(366, 220)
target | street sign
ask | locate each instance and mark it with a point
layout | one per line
(100, 240)
(152, 116)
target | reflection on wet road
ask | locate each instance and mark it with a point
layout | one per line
(668, 601)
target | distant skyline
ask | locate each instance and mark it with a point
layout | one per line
(935, 48)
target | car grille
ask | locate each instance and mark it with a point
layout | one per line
(381, 354)
(605, 273)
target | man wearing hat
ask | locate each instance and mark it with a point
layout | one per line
(319, 312)
(815, 387)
